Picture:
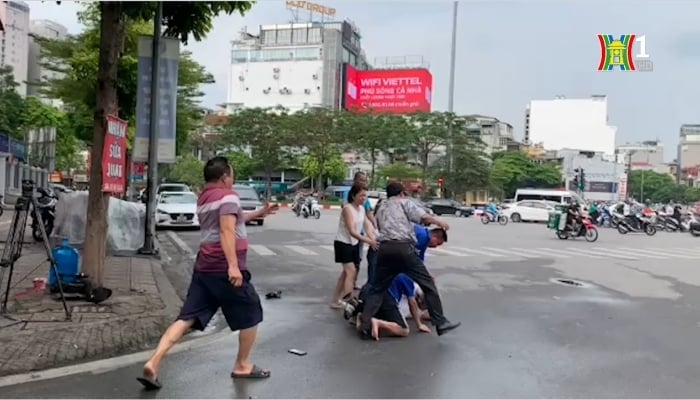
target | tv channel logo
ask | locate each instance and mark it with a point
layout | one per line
(620, 53)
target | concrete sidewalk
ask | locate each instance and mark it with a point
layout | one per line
(142, 305)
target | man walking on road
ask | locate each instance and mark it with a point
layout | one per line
(397, 254)
(221, 278)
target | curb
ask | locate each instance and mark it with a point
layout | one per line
(180, 244)
(108, 364)
(331, 207)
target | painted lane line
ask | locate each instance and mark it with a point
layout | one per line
(261, 250)
(659, 253)
(302, 250)
(448, 252)
(542, 253)
(584, 253)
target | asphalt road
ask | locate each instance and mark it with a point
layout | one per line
(630, 330)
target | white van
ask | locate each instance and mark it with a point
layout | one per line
(557, 196)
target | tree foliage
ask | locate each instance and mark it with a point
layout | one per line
(321, 133)
(400, 171)
(188, 169)
(513, 170)
(471, 166)
(659, 188)
(334, 170)
(11, 105)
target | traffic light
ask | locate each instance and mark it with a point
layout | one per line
(576, 180)
(576, 177)
(582, 180)
(441, 182)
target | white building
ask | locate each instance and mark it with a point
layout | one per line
(570, 123)
(14, 40)
(647, 155)
(495, 134)
(36, 73)
(292, 65)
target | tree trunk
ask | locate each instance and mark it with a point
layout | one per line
(373, 159)
(111, 40)
(268, 184)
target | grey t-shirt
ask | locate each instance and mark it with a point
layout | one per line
(396, 217)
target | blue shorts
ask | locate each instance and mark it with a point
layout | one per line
(210, 291)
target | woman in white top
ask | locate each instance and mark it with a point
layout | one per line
(352, 219)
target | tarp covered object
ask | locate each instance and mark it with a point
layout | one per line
(126, 221)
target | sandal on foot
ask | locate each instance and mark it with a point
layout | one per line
(337, 306)
(149, 383)
(255, 373)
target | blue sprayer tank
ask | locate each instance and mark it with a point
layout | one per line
(67, 262)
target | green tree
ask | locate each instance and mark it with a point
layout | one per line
(188, 169)
(180, 20)
(320, 130)
(428, 132)
(11, 105)
(372, 134)
(471, 165)
(335, 168)
(400, 171)
(513, 170)
(244, 164)
(266, 132)
(655, 186)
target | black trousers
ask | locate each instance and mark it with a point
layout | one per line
(393, 258)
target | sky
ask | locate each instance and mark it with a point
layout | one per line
(508, 53)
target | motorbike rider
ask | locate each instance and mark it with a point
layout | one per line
(635, 210)
(492, 209)
(298, 201)
(573, 215)
(593, 211)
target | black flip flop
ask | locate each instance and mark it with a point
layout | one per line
(149, 384)
(255, 373)
(274, 295)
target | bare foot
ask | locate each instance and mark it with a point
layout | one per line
(150, 371)
(337, 305)
(375, 329)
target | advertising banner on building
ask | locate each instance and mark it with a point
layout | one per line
(114, 157)
(622, 189)
(395, 91)
(167, 97)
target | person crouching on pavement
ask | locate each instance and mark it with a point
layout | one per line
(353, 219)
(221, 278)
(389, 320)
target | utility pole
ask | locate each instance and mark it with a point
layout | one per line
(152, 176)
(629, 172)
(451, 98)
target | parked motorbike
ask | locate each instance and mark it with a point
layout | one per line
(311, 209)
(586, 229)
(47, 201)
(487, 217)
(637, 224)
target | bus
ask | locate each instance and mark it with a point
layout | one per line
(554, 195)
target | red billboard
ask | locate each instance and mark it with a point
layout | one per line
(395, 91)
(114, 156)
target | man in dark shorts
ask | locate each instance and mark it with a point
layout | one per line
(220, 278)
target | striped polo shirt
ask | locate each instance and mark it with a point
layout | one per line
(214, 201)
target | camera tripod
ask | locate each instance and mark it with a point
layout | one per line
(26, 205)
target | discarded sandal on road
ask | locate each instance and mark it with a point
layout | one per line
(274, 295)
(255, 373)
(149, 384)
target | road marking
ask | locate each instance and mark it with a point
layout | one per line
(655, 252)
(586, 253)
(302, 250)
(483, 253)
(636, 253)
(449, 252)
(687, 251)
(510, 253)
(329, 248)
(542, 252)
(616, 253)
(261, 250)
(178, 242)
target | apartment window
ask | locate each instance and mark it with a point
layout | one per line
(239, 56)
(268, 37)
(346, 55)
(308, 54)
(277, 55)
(284, 36)
(315, 35)
(299, 35)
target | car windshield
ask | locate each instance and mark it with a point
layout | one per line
(247, 193)
(172, 188)
(178, 198)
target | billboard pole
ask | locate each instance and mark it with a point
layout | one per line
(451, 99)
(152, 177)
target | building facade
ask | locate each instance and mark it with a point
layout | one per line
(295, 66)
(14, 41)
(570, 123)
(689, 145)
(605, 179)
(496, 135)
(36, 73)
(647, 155)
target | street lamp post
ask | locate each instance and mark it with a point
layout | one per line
(451, 98)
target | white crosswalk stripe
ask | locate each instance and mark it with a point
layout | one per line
(593, 252)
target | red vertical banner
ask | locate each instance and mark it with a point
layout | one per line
(114, 157)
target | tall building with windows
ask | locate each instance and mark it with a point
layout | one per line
(647, 155)
(295, 66)
(36, 72)
(14, 40)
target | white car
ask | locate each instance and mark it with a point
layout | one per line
(177, 210)
(528, 210)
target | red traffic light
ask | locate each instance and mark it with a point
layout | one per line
(441, 181)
